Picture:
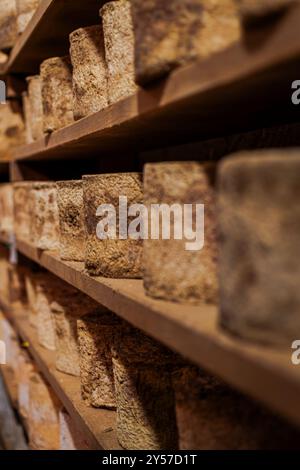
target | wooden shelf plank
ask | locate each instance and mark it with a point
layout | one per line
(47, 34)
(199, 101)
(263, 373)
(97, 425)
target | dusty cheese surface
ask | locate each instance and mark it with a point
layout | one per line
(251, 9)
(43, 422)
(71, 220)
(36, 115)
(8, 23)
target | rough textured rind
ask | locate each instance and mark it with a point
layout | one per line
(44, 216)
(144, 393)
(171, 272)
(25, 11)
(57, 94)
(251, 9)
(43, 422)
(36, 106)
(12, 347)
(90, 92)
(260, 245)
(22, 213)
(46, 287)
(12, 131)
(6, 208)
(8, 23)
(68, 305)
(169, 34)
(31, 282)
(27, 117)
(3, 58)
(95, 335)
(119, 49)
(70, 437)
(211, 416)
(71, 220)
(111, 258)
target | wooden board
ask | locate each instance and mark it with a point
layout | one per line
(97, 425)
(241, 88)
(47, 34)
(263, 373)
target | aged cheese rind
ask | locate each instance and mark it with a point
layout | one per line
(57, 93)
(172, 272)
(171, 33)
(116, 258)
(71, 220)
(44, 229)
(211, 416)
(36, 106)
(144, 392)
(119, 49)
(90, 88)
(95, 333)
(8, 23)
(25, 11)
(67, 306)
(260, 245)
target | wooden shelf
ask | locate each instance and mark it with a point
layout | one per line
(262, 373)
(202, 100)
(47, 34)
(97, 425)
